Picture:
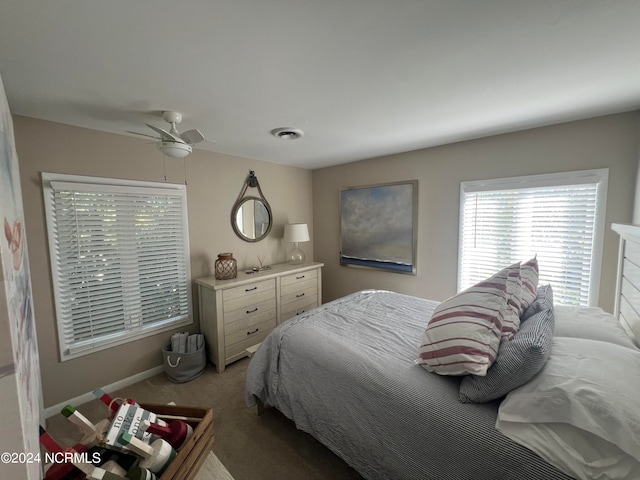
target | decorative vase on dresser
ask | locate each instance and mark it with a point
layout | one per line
(226, 267)
(239, 313)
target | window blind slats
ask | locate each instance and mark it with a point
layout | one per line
(533, 216)
(120, 260)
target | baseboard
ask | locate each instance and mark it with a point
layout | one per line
(86, 397)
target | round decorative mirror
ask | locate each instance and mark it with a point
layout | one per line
(251, 216)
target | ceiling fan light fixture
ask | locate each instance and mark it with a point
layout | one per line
(171, 117)
(174, 149)
(287, 133)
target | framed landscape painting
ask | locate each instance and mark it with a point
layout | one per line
(379, 226)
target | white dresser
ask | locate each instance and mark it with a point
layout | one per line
(238, 314)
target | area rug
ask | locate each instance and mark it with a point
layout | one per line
(213, 469)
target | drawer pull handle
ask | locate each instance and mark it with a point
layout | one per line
(300, 277)
(254, 310)
(301, 295)
(255, 331)
(300, 313)
(250, 289)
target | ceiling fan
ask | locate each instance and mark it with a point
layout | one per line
(173, 143)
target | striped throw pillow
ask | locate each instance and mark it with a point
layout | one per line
(511, 322)
(464, 332)
(529, 274)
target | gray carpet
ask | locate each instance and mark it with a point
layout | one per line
(212, 469)
(249, 446)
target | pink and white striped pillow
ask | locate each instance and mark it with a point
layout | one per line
(529, 274)
(511, 322)
(464, 332)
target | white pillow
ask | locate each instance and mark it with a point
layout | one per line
(464, 332)
(580, 412)
(591, 323)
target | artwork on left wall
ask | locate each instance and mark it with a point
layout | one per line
(16, 315)
(379, 226)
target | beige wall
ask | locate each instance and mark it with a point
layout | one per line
(610, 141)
(214, 182)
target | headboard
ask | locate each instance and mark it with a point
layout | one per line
(627, 305)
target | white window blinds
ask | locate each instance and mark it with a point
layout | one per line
(558, 217)
(119, 258)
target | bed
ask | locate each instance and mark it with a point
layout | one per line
(346, 373)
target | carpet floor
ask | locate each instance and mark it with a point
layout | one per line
(266, 447)
(213, 469)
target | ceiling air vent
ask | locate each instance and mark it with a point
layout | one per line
(287, 133)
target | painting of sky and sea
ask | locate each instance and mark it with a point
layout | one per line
(379, 225)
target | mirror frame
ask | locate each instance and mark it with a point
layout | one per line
(252, 181)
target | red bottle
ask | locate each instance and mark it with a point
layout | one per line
(176, 432)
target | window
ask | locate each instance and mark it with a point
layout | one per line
(119, 259)
(558, 217)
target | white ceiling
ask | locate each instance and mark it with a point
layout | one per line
(362, 78)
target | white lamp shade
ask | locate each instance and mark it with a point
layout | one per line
(296, 232)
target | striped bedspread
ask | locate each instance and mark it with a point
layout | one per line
(345, 373)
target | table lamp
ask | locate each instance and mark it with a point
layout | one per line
(295, 233)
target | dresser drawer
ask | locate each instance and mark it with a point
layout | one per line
(248, 311)
(311, 291)
(240, 347)
(248, 289)
(251, 330)
(299, 306)
(289, 282)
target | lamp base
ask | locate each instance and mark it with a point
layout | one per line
(295, 256)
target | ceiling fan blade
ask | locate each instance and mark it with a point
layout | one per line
(192, 136)
(166, 136)
(143, 134)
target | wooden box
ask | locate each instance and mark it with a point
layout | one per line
(194, 452)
